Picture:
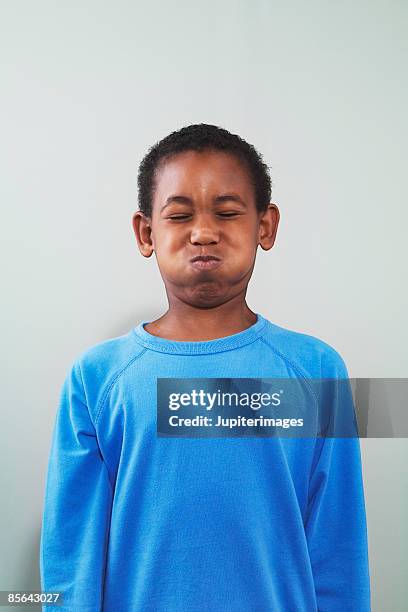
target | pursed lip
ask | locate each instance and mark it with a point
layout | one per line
(205, 262)
(205, 258)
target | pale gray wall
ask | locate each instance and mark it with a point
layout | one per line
(319, 87)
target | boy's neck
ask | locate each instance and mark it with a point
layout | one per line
(186, 323)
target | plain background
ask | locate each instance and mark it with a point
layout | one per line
(319, 88)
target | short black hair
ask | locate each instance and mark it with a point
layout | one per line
(201, 137)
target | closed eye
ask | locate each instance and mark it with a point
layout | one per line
(221, 214)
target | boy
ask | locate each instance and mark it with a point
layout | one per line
(137, 521)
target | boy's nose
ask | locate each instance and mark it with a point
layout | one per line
(204, 232)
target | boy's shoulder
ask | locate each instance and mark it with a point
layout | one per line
(110, 354)
(99, 365)
(311, 355)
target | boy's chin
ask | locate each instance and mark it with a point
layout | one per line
(207, 295)
(204, 291)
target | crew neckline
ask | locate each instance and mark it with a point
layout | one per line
(199, 347)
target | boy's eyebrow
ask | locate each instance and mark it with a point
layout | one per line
(221, 198)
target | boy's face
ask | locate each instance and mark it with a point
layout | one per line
(204, 205)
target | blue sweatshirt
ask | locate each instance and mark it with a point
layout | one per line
(135, 522)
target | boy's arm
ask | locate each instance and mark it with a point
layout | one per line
(335, 524)
(336, 529)
(78, 498)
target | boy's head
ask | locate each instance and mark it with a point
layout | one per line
(204, 192)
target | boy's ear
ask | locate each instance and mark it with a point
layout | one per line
(268, 226)
(143, 232)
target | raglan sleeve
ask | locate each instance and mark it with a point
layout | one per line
(335, 525)
(77, 505)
